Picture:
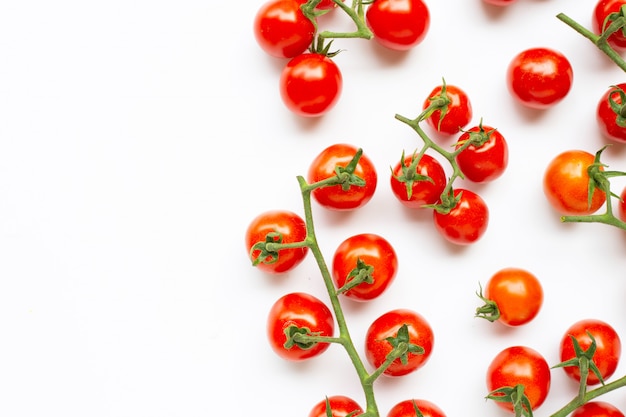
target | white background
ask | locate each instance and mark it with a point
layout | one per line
(138, 139)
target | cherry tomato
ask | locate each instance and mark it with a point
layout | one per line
(280, 226)
(597, 409)
(607, 117)
(458, 114)
(358, 254)
(299, 311)
(340, 406)
(310, 84)
(335, 197)
(282, 30)
(378, 346)
(398, 24)
(520, 365)
(608, 348)
(406, 408)
(621, 206)
(539, 78)
(500, 2)
(599, 21)
(566, 184)
(514, 297)
(425, 182)
(466, 222)
(485, 161)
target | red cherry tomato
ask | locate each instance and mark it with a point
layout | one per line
(466, 222)
(420, 186)
(500, 2)
(599, 21)
(597, 409)
(520, 365)
(377, 345)
(608, 348)
(485, 161)
(611, 122)
(407, 408)
(310, 84)
(299, 311)
(368, 254)
(459, 112)
(335, 197)
(340, 406)
(539, 78)
(566, 184)
(282, 30)
(398, 24)
(514, 297)
(280, 226)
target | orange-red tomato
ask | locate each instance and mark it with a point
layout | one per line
(517, 295)
(566, 184)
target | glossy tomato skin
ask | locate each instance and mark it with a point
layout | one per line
(406, 408)
(398, 24)
(602, 9)
(608, 348)
(340, 406)
(607, 118)
(290, 226)
(566, 182)
(520, 365)
(486, 162)
(621, 206)
(310, 84)
(597, 409)
(459, 112)
(423, 192)
(467, 222)
(282, 30)
(539, 78)
(517, 293)
(373, 250)
(387, 325)
(304, 311)
(334, 197)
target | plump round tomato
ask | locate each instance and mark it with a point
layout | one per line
(458, 114)
(398, 24)
(486, 159)
(597, 409)
(566, 184)
(310, 84)
(539, 78)
(279, 226)
(500, 2)
(610, 115)
(299, 312)
(369, 258)
(513, 297)
(608, 348)
(520, 365)
(419, 185)
(466, 222)
(339, 405)
(383, 333)
(335, 197)
(599, 21)
(621, 206)
(282, 30)
(407, 408)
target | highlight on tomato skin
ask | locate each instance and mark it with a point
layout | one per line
(399, 25)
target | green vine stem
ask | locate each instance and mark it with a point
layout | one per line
(589, 395)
